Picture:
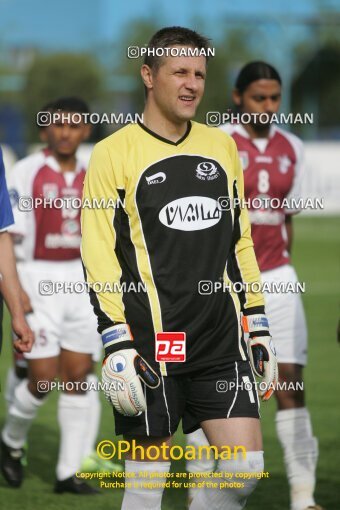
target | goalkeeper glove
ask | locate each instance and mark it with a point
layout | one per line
(122, 371)
(261, 352)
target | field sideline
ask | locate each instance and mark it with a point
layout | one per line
(316, 258)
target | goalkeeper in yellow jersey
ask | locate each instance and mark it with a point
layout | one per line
(177, 346)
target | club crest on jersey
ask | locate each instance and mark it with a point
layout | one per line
(70, 227)
(284, 163)
(157, 178)
(207, 171)
(244, 157)
(190, 213)
(50, 190)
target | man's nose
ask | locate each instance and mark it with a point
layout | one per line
(191, 82)
(269, 106)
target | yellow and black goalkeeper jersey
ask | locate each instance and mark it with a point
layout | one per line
(170, 234)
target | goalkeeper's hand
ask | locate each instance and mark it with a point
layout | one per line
(261, 352)
(122, 371)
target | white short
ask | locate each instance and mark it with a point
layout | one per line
(286, 318)
(59, 320)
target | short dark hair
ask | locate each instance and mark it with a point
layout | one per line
(67, 104)
(255, 71)
(171, 36)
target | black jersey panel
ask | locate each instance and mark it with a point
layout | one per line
(188, 239)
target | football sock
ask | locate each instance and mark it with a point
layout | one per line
(198, 465)
(73, 414)
(93, 418)
(227, 496)
(12, 382)
(21, 413)
(141, 497)
(294, 430)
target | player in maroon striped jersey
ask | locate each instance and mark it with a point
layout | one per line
(272, 160)
(48, 249)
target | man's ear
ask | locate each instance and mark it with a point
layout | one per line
(147, 76)
(237, 97)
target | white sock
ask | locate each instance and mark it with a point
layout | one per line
(144, 498)
(94, 417)
(12, 382)
(294, 430)
(198, 465)
(73, 414)
(21, 413)
(231, 498)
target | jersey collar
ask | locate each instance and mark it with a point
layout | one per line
(162, 139)
(51, 161)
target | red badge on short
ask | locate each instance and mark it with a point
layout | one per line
(170, 346)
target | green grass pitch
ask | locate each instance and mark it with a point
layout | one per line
(316, 258)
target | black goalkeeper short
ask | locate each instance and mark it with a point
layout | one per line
(226, 391)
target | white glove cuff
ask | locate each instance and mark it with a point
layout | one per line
(116, 334)
(254, 323)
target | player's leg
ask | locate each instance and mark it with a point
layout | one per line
(80, 335)
(29, 395)
(74, 409)
(233, 432)
(293, 423)
(138, 496)
(156, 426)
(199, 464)
(19, 370)
(91, 461)
(77, 339)
(90, 458)
(15, 375)
(93, 423)
(295, 433)
(223, 401)
(42, 367)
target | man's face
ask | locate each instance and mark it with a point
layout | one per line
(64, 138)
(261, 96)
(178, 86)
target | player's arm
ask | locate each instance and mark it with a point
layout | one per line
(122, 363)
(9, 282)
(246, 269)
(11, 290)
(254, 321)
(17, 185)
(99, 239)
